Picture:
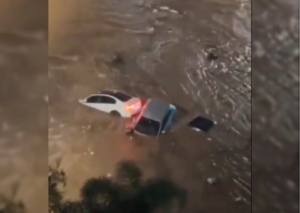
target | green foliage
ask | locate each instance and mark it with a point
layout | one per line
(73, 207)
(55, 179)
(124, 193)
(100, 195)
(10, 206)
(128, 174)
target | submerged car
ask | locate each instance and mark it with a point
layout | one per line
(158, 117)
(115, 102)
(155, 118)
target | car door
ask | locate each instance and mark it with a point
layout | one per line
(108, 104)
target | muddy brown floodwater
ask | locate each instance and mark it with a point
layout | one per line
(164, 47)
(23, 110)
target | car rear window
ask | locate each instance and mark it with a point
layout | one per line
(122, 96)
(147, 126)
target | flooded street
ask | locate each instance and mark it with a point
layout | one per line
(23, 131)
(165, 48)
(195, 54)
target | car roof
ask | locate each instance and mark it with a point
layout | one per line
(156, 109)
(122, 96)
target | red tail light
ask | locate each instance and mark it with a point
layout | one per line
(134, 106)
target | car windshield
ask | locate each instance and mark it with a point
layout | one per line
(147, 126)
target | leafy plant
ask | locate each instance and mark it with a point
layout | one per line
(55, 180)
(73, 207)
(126, 192)
(100, 195)
(11, 206)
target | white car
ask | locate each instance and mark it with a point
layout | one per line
(116, 103)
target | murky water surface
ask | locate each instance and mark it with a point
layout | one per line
(164, 46)
(168, 41)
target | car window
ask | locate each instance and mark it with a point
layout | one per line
(147, 126)
(107, 100)
(202, 124)
(94, 99)
(166, 119)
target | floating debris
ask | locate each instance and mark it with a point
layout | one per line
(148, 30)
(101, 75)
(245, 159)
(46, 99)
(164, 8)
(173, 11)
(117, 60)
(212, 56)
(212, 180)
(238, 199)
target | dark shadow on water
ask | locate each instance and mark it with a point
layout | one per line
(126, 192)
